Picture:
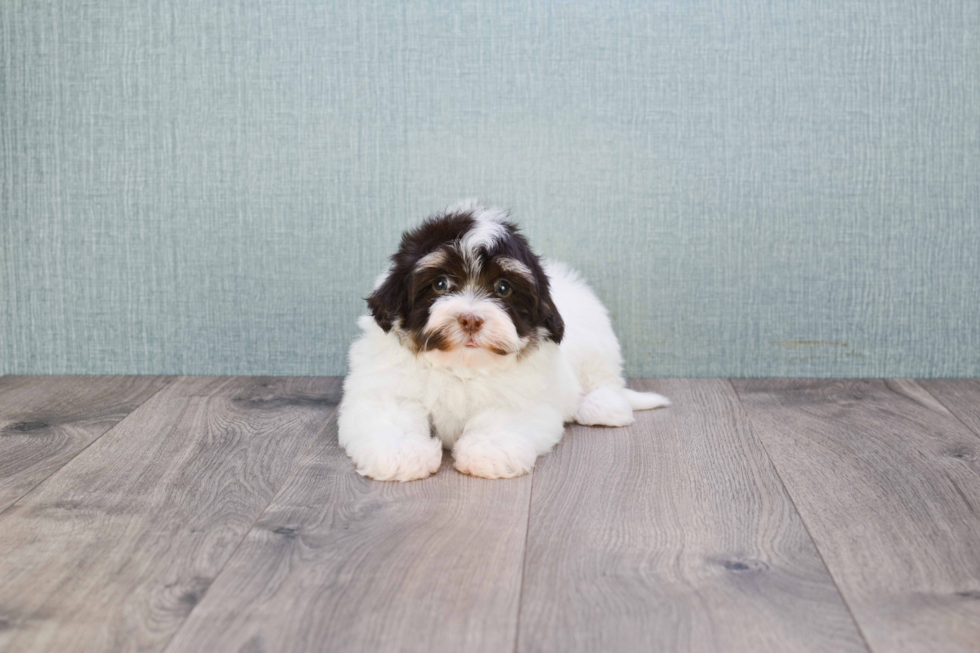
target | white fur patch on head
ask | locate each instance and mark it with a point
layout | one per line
(488, 229)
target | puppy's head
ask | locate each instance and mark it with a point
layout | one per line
(465, 290)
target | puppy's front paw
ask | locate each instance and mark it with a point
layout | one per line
(493, 457)
(398, 459)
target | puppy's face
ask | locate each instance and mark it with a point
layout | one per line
(465, 290)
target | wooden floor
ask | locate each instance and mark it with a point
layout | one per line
(219, 514)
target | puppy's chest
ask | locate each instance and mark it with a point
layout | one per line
(450, 405)
(452, 402)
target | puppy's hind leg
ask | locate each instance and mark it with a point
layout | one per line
(612, 406)
(604, 406)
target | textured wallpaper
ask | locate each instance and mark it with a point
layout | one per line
(753, 187)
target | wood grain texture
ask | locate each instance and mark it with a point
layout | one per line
(960, 396)
(113, 551)
(673, 535)
(888, 483)
(339, 562)
(46, 420)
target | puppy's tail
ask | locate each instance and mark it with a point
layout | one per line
(644, 400)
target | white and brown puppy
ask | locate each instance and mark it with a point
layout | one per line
(473, 340)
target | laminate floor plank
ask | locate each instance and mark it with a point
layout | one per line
(115, 549)
(339, 562)
(674, 534)
(960, 396)
(45, 421)
(888, 483)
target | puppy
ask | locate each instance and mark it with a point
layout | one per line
(476, 341)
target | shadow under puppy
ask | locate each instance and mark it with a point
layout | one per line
(476, 341)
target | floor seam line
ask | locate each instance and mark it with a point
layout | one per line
(527, 533)
(799, 514)
(943, 404)
(83, 449)
(248, 530)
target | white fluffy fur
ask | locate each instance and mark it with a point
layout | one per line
(496, 413)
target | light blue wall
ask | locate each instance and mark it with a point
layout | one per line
(754, 187)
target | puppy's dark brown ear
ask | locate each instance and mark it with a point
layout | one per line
(386, 301)
(552, 320)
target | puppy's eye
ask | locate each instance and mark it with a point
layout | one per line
(501, 287)
(441, 284)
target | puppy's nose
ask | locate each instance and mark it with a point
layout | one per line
(470, 323)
